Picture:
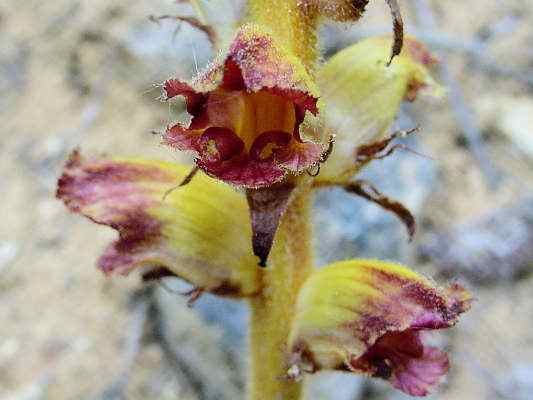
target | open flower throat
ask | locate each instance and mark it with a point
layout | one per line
(247, 113)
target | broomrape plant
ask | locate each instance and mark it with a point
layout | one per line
(270, 124)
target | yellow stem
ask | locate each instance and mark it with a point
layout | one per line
(290, 260)
(289, 264)
(291, 24)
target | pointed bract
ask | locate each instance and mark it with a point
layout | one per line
(365, 190)
(246, 111)
(267, 205)
(367, 317)
(199, 232)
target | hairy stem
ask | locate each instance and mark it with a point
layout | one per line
(271, 312)
(293, 25)
(290, 260)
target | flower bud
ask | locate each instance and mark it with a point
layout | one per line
(362, 96)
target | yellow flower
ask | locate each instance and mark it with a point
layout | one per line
(368, 317)
(362, 96)
(199, 232)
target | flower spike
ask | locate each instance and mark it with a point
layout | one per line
(247, 111)
(368, 317)
(270, 118)
(199, 232)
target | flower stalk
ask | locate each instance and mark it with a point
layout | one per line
(291, 258)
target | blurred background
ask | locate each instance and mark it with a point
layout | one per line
(82, 73)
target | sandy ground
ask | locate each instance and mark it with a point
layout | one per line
(79, 73)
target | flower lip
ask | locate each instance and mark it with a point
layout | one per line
(195, 101)
(219, 144)
(261, 94)
(267, 144)
(404, 360)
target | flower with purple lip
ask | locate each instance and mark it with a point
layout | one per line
(370, 317)
(247, 113)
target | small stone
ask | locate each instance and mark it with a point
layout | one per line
(515, 119)
(8, 252)
(335, 385)
(518, 384)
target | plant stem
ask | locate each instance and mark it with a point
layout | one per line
(289, 264)
(290, 260)
(292, 26)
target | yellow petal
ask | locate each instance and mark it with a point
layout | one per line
(200, 232)
(356, 315)
(362, 96)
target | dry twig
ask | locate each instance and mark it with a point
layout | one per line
(133, 346)
(189, 366)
